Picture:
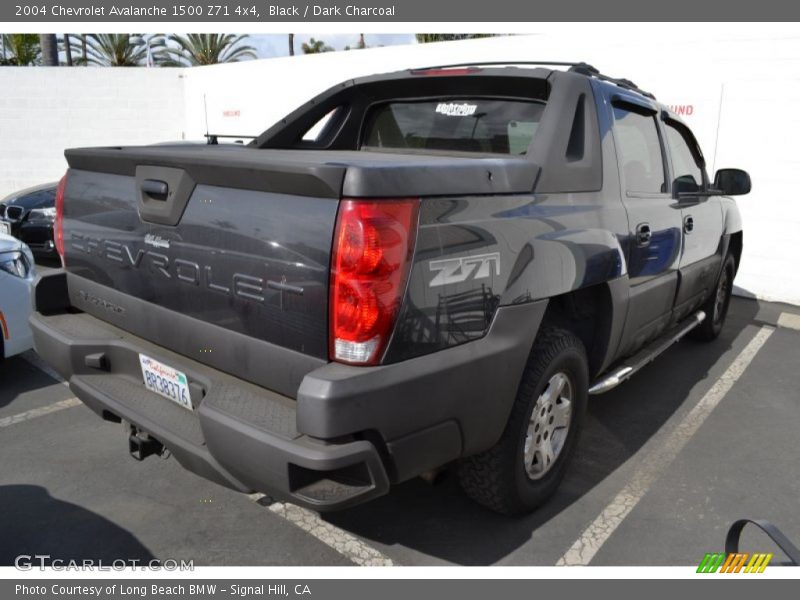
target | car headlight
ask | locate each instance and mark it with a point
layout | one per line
(42, 214)
(15, 263)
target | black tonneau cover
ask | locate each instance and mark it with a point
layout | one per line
(321, 173)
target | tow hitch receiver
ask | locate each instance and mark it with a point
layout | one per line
(141, 445)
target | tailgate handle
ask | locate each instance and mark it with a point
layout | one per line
(158, 190)
(162, 193)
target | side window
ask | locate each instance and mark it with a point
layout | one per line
(688, 170)
(520, 134)
(314, 133)
(639, 150)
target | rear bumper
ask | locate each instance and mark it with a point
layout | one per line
(351, 432)
(239, 435)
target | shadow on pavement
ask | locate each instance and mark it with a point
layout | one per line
(440, 521)
(17, 377)
(33, 522)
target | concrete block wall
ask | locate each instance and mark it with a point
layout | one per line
(44, 110)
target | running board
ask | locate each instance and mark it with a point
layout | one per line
(646, 355)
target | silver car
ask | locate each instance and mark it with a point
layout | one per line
(17, 272)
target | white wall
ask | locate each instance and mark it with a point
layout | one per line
(44, 110)
(742, 83)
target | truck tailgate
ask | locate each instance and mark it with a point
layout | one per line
(229, 276)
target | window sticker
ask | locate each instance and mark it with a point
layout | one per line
(453, 109)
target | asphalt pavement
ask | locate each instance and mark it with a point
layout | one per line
(703, 436)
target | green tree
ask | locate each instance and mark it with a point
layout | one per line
(427, 38)
(113, 49)
(316, 47)
(198, 49)
(20, 49)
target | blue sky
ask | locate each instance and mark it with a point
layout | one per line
(270, 45)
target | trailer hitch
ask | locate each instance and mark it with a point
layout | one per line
(141, 444)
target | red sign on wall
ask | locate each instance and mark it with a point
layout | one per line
(682, 109)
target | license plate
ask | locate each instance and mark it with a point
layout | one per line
(165, 381)
(5, 227)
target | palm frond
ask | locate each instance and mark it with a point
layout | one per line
(196, 49)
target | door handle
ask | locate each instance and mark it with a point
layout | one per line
(688, 224)
(643, 234)
(158, 190)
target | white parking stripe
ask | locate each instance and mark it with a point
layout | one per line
(38, 412)
(37, 362)
(789, 320)
(594, 536)
(344, 543)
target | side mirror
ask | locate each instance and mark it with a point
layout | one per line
(732, 182)
(685, 186)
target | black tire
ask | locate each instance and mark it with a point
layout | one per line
(498, 478)
(716, 307)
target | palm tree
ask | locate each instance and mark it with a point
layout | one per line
(49, 46)
(198, 49)
(21, 49)
(113, 49)
(316, 47)
(426, 38)
(291, 44)
(67, 49)
(84, 49)
(360, 45)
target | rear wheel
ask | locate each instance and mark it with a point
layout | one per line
(526, 465)
(716, 307)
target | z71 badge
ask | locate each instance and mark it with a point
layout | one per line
(456, 270)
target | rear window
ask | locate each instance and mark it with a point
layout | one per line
(462, 125)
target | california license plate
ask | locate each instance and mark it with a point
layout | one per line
(5, 227)
(165, 381)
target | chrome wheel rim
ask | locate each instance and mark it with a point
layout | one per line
(722, 296)
(548, 426)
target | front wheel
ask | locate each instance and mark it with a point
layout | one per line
(526, 465)
(716, 307)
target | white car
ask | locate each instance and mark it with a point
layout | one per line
(17, 272)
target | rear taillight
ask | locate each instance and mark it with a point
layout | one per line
(372, 250)
(58, 225)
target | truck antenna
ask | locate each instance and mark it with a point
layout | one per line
(205, 113)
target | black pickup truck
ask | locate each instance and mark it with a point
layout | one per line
(415, 269)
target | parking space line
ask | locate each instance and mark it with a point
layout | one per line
(38, 412)
(343, 542)
(37, 362)
(653, 465)
(789, 321)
